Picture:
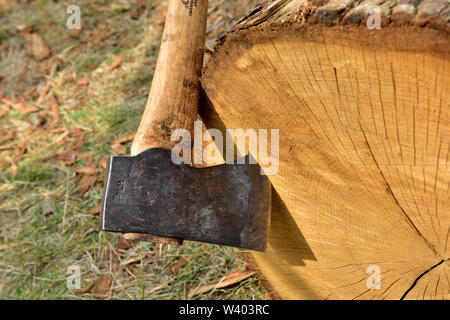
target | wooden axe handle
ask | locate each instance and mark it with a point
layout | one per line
(174, 95)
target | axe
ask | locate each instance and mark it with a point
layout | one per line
(147, 195)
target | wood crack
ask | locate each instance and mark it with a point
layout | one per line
(394, 197)
(419, 277)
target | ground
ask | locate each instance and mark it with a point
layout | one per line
(68, 100)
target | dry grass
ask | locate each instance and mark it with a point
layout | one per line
(45, 218)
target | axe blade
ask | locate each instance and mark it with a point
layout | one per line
(228, 204)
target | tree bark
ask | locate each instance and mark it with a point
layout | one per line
(361, 207)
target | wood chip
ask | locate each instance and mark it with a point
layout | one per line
(102, 289)
(224, 282)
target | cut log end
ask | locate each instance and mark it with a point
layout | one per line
(361, 208)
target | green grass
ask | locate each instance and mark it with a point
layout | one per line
(38, 247)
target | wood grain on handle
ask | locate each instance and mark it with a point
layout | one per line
(174, 95)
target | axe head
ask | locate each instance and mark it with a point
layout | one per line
(228, 204)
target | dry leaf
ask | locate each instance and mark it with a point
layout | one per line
(44, 92)
(3, 113)
(89, 169)
(74, 32)
(118, 148)
(38, 48)
(124, 244)
(179, 264)
(20, 105)
(102, 288)
(124, 139)
(84, 289)
(5, 136)
(54, 107)
(102, 163)
(85, 184)
(83, 82)
(96, 210)
(68, 157)
(118, 61)
(224, 282)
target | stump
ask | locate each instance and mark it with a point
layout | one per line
(361, 205)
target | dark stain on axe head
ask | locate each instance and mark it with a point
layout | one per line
(227, 204)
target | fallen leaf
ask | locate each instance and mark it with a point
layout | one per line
(20, 105)
(124, 244)
(50, 66)
(85, 184)
(102, 288)
(38, 48)
(89, 169)
(44, 92)
(68, 157)
(118, 61)
(83, 82)
(6, 135)
(3, 113)
(75, 32)
(124, 139)
(118, 148)
(54, 107)
(84, 289)
(96, 210)
(224, 282)
(102, 163)
(179, 264)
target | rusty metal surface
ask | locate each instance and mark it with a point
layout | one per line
(227, 204)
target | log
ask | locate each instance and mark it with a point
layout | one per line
(361, 205)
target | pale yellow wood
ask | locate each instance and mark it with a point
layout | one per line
(364, 173)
